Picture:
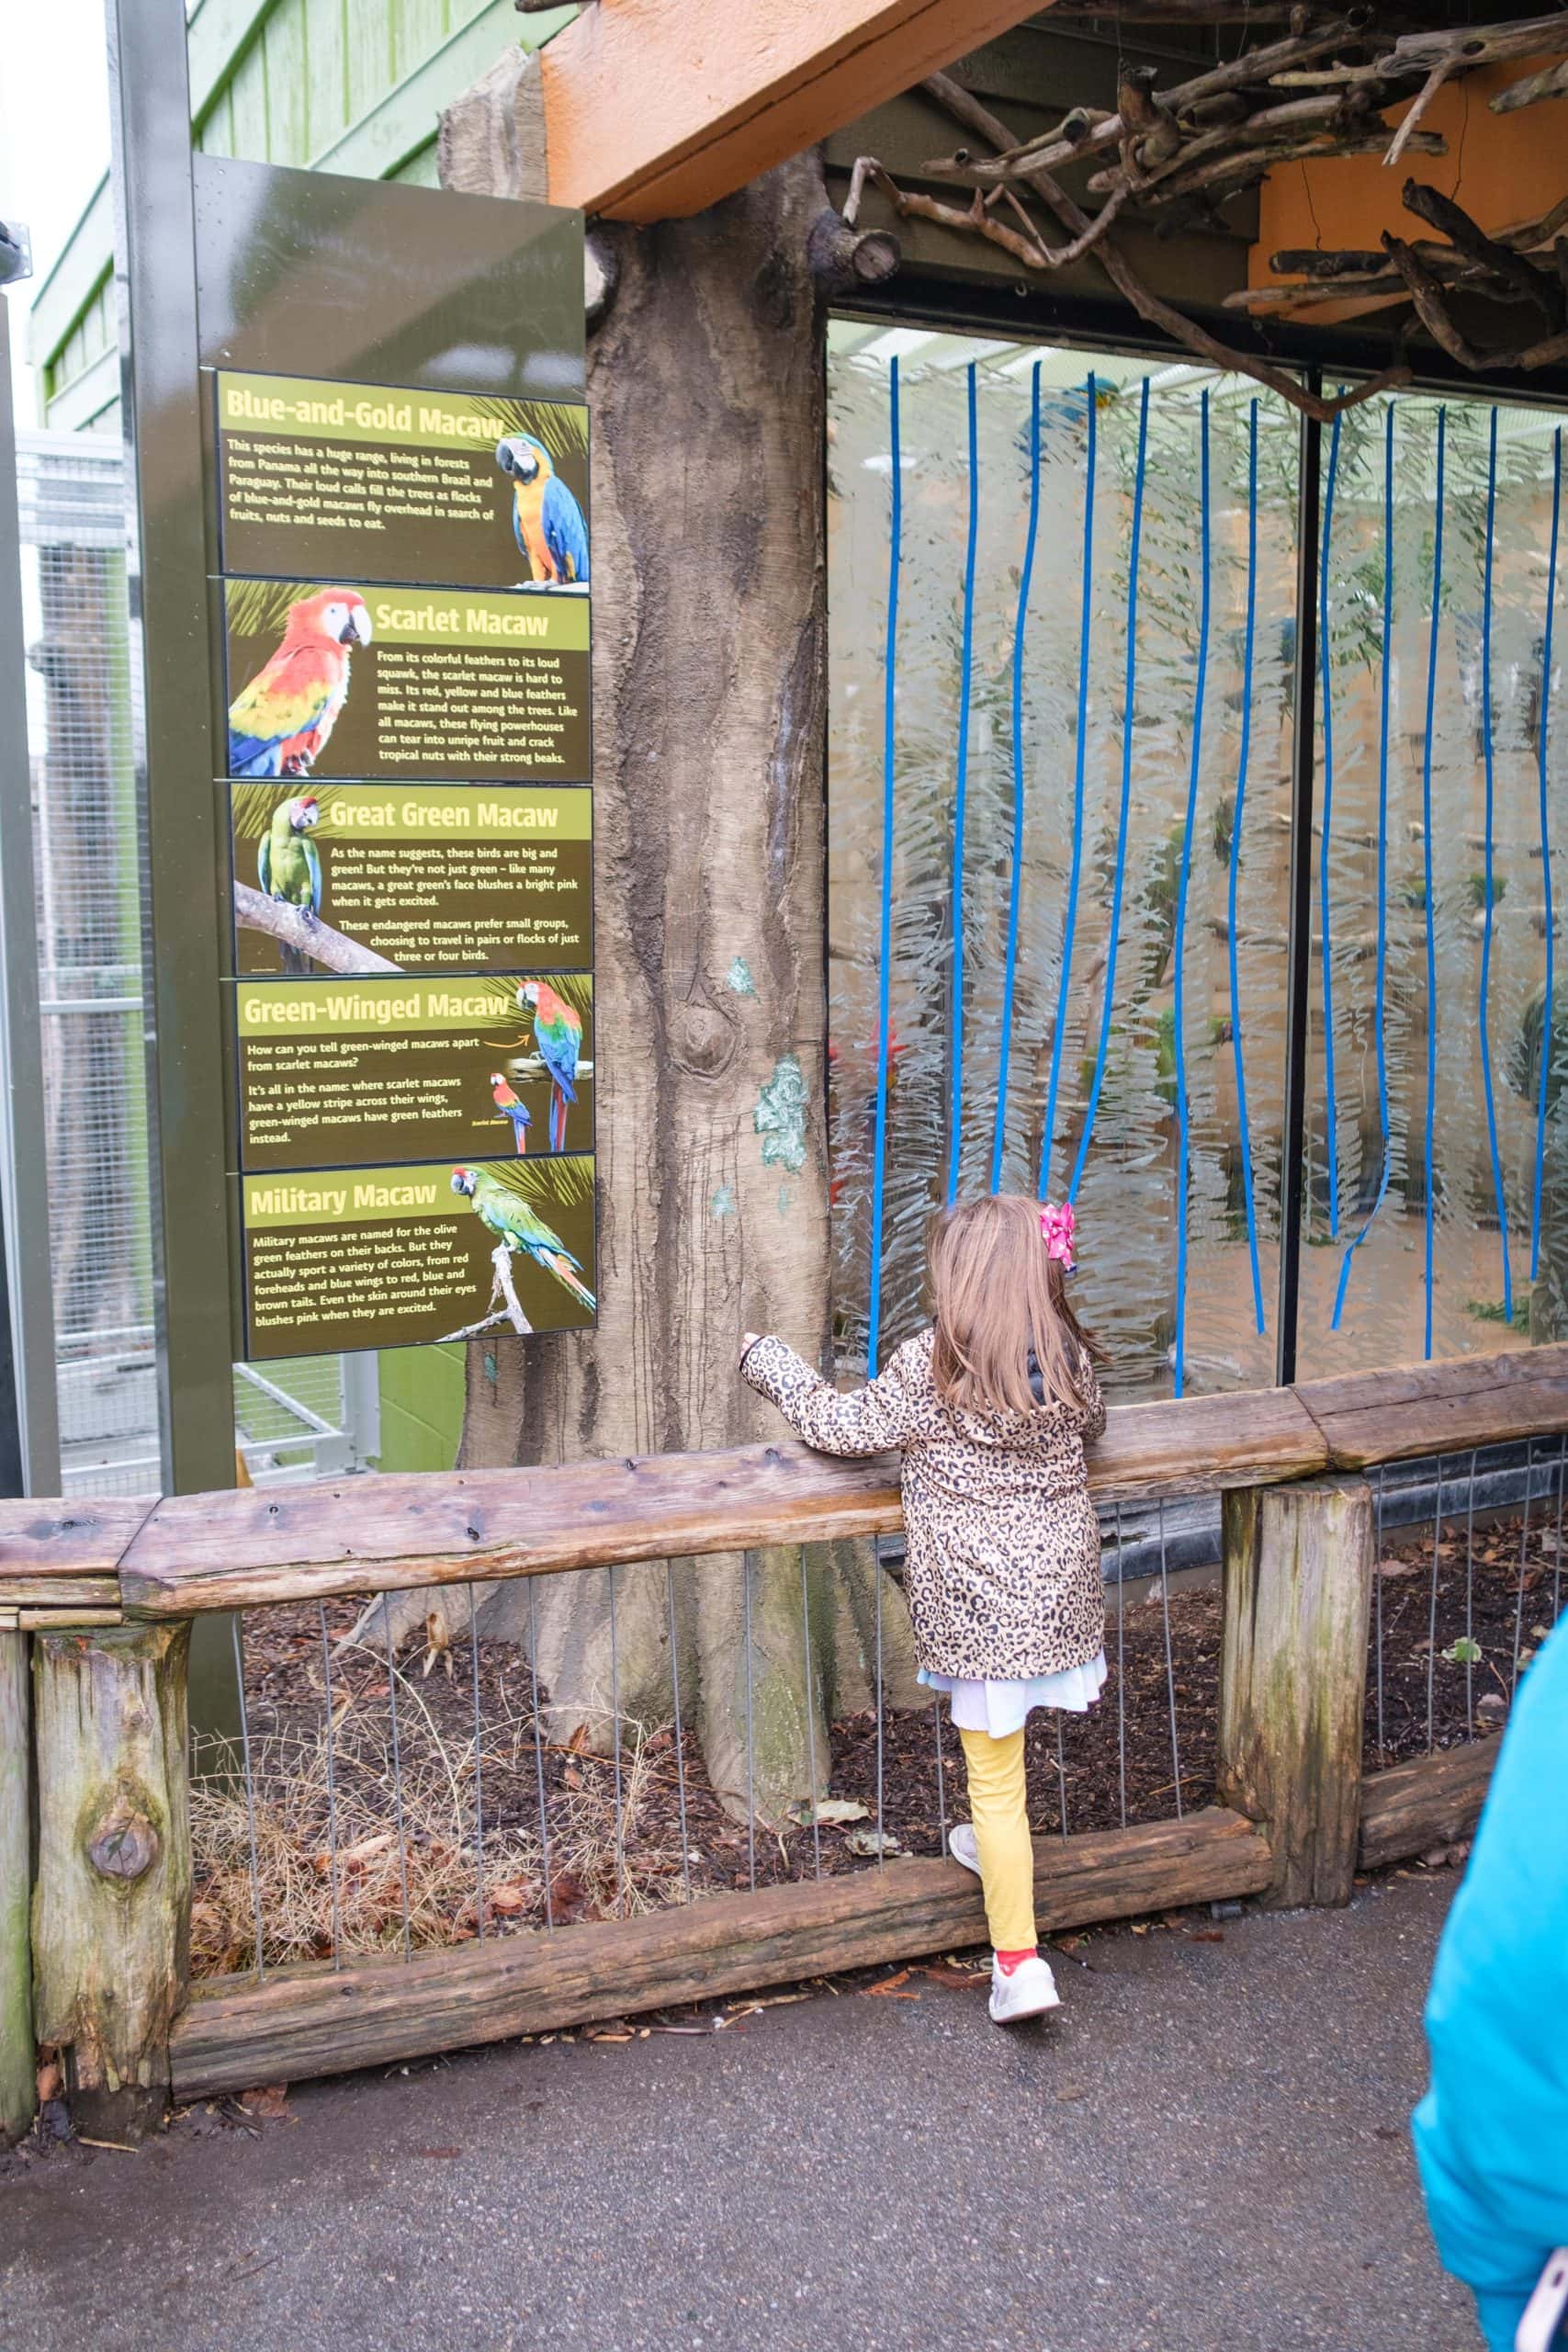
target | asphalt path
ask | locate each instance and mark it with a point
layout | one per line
(1207, 2148)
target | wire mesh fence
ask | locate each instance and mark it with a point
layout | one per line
(396, 1791)
(306, 1418)
(1469, 1583)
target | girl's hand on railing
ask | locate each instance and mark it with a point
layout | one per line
(747, 1342)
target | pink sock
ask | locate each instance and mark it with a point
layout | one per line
(1008, 1961)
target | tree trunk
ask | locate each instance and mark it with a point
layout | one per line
(111, 1915)
(707, 385)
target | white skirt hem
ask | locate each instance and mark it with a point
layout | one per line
(1001, 1708)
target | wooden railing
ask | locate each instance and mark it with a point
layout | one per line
(107, 1590)
(97, 1561)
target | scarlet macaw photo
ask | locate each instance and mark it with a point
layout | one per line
(279, 722)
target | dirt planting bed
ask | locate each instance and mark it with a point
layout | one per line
(372, 1838)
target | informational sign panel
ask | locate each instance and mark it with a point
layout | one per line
(330, 680)
(428, 878)
(345, 1258)
(339, 1070)
(405, 761)
(422, 487)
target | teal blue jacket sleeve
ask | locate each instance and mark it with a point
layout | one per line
(1492, 2134)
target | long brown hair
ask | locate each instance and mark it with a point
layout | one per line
(1000, 1298)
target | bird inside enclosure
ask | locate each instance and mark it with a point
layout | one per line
(518, 1228)
(547, 520)
(288, 866)
(558, 1034)
(279, 723)
(508, 1104)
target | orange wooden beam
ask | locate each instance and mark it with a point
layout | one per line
(655, 110)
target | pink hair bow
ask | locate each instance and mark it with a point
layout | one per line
(1057, 1227)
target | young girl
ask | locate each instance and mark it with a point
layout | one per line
(989, 1410)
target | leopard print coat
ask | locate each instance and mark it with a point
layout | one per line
(1002, 1563)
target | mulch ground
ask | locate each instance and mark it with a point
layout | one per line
(1144, 1754)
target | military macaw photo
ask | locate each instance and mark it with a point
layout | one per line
(396, 484)
(538, 1277)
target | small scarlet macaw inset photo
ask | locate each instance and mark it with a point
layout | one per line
(547, 520)
(280, 720)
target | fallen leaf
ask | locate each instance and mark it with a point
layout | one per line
(568, 1897)
(511, 1897)
(872, 1842)
(355, 1858)
(829, 1811)
(578, 1744)
(610, 2037)
(964, 1979)
(888, 1988)
(48, 2080)
(1205, 1935)
(269, 2099)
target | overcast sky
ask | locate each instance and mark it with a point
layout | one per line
(54, 139)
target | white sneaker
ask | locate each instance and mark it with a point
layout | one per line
(962, 1847)
(1029, 1992)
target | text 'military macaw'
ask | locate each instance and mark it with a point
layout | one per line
(288, 866)
(558, 1034)
(512, 1221)
(546, 516)
(280, 722)
(510, 1105)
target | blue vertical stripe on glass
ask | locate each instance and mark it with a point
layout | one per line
(1069, 921)
(885, 941)
(1129, 696)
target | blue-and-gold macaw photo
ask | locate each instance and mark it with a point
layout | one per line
(547, 520)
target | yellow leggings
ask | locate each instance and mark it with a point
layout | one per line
(1000, 1811)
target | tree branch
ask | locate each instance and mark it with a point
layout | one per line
(1049, 150)
(1551, 82)
(1427, 296)
(1440, 212)
(839, 259)
(968, 110)
(1430, 88)
(291, 925)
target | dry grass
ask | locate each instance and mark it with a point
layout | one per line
(341, 1850)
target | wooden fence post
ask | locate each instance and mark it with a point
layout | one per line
(111, 1915)
(1298, 1572)
(18, 2073)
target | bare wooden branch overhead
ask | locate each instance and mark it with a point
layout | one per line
(1319, 91)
